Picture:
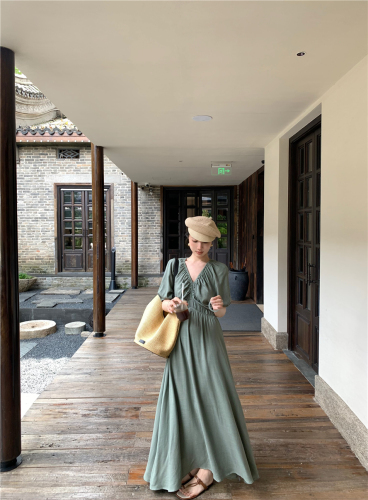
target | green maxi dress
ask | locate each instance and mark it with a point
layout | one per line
(199, 421)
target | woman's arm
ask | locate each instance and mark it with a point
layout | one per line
(223, 300)
(220, 312)
(218, 306)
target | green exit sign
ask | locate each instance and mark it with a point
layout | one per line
(221, 169)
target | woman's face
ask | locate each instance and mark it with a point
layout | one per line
(199, 248)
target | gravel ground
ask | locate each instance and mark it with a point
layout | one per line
(44, 361)
(40, 365)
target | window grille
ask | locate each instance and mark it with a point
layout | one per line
(68, 153)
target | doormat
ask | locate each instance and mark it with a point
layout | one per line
(242, 317)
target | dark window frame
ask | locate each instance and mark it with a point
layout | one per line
(183, 192)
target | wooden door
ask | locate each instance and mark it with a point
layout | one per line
(75, 238)
(250, 241)
(304, 244)
(180, 203)
(89, 231)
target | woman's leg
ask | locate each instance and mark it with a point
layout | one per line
(206, 476)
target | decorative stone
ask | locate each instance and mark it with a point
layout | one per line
(61, 291)
(85, 334)
(75, 328)
(89, 291)
(36, 328)
(116, 291)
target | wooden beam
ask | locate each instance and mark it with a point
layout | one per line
(99, 303)
(134, 212)
(10, 419)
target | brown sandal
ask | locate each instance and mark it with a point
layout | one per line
(199, 481)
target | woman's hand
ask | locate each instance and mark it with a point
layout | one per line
(216, 302)
(218, 306)
(168, 305)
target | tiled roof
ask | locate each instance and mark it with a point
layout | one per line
(60, 130)
(48, 131)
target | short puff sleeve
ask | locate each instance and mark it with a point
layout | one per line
(223, 287)
(166, 288)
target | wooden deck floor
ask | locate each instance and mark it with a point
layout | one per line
(88, 434)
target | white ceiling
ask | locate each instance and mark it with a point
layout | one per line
(132, 74)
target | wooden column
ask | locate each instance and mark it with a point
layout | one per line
(10, 421)
(99, 306)
(134, 211)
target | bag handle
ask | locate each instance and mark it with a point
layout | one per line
(176, 267)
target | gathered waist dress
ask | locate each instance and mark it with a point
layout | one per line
(199, 420)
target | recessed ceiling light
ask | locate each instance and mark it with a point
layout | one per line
(202, 118)
(301, 54)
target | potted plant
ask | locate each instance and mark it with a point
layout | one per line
(25, 282)
(239, 282)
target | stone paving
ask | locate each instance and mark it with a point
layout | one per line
(26, 347)
(51, 297)
(60, 291)
(26, 295)
(59, 301)
(46, 304)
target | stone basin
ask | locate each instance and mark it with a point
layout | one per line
(36, 328)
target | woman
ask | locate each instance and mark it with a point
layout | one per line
(199, 433)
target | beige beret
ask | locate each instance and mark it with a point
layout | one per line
(202, 228)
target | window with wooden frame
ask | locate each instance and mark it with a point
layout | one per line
(74, 234)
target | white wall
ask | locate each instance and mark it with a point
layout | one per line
(343, 272)
(271, 236)
(343, 321)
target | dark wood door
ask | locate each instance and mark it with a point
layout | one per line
(180, 203)
(304, 249)
(89, 232)
(75, 237)
(250, 237)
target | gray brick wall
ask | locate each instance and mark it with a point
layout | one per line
(37, 172)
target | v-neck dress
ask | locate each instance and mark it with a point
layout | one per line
(199, 420)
